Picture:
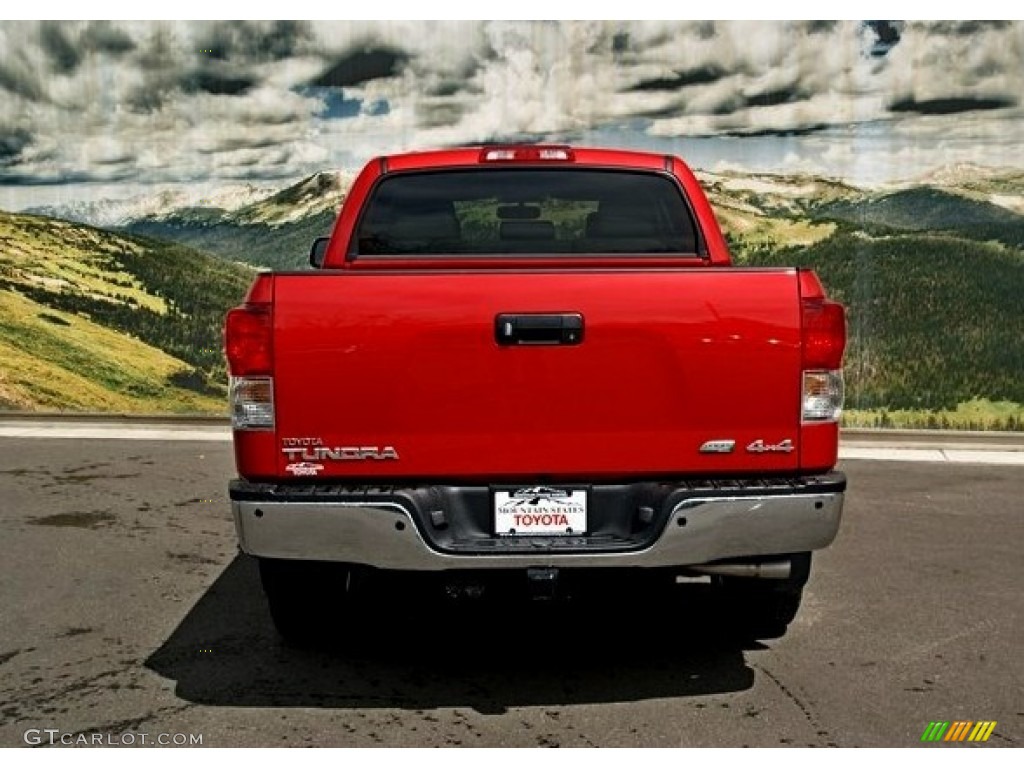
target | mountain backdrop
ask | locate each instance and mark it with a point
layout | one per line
(150, 166)
(100, 321)
(128, 318)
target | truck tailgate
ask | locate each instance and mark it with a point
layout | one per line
(669, 362)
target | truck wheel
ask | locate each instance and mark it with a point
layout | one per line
(763, 608)
(307, 600)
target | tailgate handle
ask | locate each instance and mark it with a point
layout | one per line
(563, 328)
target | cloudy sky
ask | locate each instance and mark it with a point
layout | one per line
(91, 109)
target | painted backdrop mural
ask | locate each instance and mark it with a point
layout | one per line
(146, 168)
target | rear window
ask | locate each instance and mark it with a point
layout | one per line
(526, 211)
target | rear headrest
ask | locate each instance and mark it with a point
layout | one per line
(527, 230)
(619, 225)
(436, 225)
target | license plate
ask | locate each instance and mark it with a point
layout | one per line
(540, 511)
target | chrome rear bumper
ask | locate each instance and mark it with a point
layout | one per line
(697, 530)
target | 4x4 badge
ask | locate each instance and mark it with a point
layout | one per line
(760, 446)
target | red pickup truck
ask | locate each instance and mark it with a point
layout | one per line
(526, 363)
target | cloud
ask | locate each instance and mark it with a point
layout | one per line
(64, 57)
(18, 81)
(950, 106)
(256, 40)
(706, 73)
(12, 143)
(820, 27)
(204, 100)
(208, 81)
(19, 74)
(804, 130)
(967, 28)
(362, 65)
(886, 35)
(774, 96)
(161, 49)
(66, 45)
(937, 61)
(554, 79)
(215, 145)
(104, 37)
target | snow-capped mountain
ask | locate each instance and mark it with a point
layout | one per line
(113, 213)
(957, 174)
(274, 229)
(237, 204)
(320, 193)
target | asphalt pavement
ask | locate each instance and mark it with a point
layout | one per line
(127, 614)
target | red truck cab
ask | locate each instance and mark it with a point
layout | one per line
(529, 359)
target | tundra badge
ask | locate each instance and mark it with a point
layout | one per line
(308, 449)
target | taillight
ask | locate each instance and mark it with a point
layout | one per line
(824, 341)
(249, 348)
(824, 334)
(252, 402)
(248, 340)
(823, 395)
(525, 154)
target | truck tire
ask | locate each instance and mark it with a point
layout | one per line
(307, 600)
(756, 609)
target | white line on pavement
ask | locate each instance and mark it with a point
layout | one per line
(990, 457)
(891, 454)
(99, 432)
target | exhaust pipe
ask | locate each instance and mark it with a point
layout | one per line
(772, 569)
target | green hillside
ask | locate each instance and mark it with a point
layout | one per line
(925, 209)
(285, 246)
(274, 232)
(932, 277)
(934, 320)
(92, 320)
